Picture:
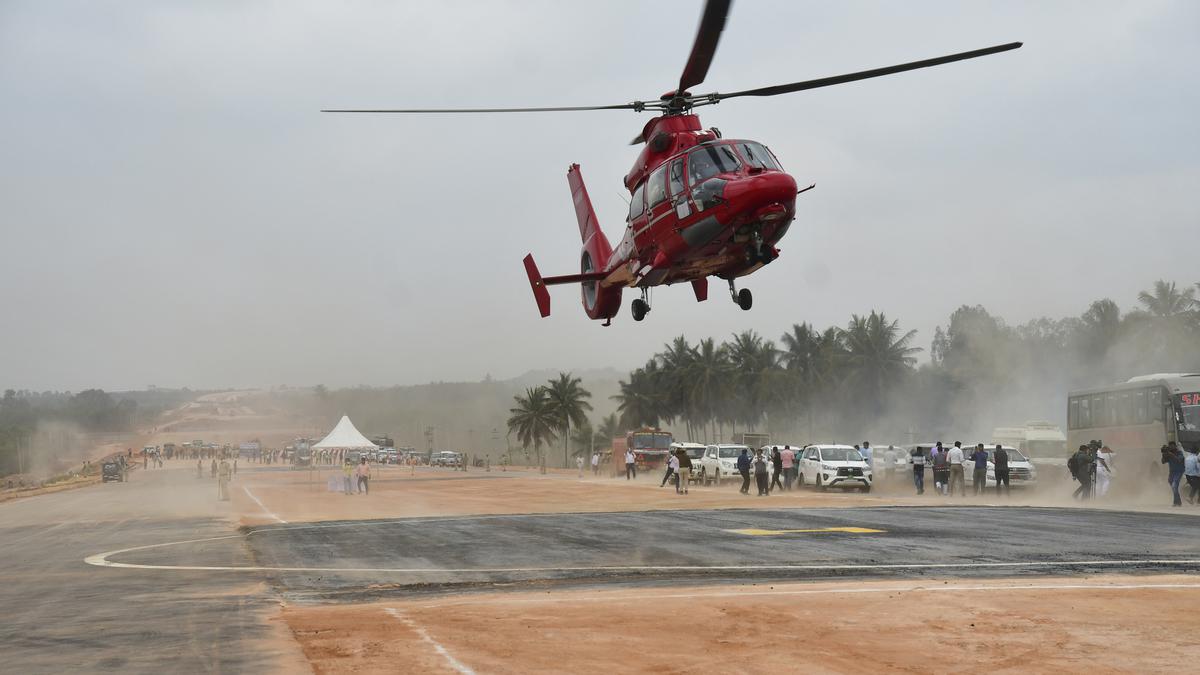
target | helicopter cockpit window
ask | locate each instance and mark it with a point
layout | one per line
(675, 178)
(758, 156)
(637, 204)
(656, 187)
(710, 160)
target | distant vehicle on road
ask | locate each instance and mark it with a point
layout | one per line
(302, 454)
(834, 466)
(719, 463)
(112, 472)
(752, 440)
(446, 458)
(1036, 439)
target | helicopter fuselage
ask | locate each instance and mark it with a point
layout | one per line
(701, 206)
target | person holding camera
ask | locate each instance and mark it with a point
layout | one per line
(1173, 458)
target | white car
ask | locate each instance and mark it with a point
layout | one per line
(1021, 472)
(718, 463)
(696, 452)
(829, 466)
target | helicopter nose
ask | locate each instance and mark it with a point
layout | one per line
(768, 187)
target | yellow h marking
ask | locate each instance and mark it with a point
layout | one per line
(755, 532)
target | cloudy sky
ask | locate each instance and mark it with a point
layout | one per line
(174, 210)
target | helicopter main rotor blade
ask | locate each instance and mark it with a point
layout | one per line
(705, 46)
(636, 105)
(863, 75)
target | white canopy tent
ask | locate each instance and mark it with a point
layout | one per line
(344, 437)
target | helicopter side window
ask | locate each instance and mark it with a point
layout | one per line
(710, 160)
(656, 187)
(675, 178)
(637, 205)
(756, 155)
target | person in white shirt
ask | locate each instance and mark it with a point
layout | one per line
(889, 463)
(1104, 470)
(672, 470)
(579, 463)
(595, 464)
(956, 469)
(630, 466)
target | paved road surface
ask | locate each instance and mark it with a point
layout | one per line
(60, 614)
(362, 559)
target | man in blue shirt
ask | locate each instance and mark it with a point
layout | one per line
(979, 476)
(1191, 469)
(743, 465)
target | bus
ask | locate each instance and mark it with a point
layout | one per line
(1137, 417)
(650, 447)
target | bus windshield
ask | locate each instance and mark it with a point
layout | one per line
(1189, 405)
(651, 441)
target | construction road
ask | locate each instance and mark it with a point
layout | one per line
(170, 582)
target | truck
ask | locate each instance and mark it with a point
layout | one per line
(752, 440)
(650, 447)
(1038, 439)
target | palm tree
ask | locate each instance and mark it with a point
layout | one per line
(568, 400)
(534, 420)
(755, 364)
(641, 401)
(676, 359)
(877, 355)
(1100, 327)
(813, 359)
(1167, 301)
(709, 382)
(609, 428)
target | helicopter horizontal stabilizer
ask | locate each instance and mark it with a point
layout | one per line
(540, 294)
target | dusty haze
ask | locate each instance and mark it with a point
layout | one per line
(176, 211)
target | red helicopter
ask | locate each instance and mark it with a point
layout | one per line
(701, 205)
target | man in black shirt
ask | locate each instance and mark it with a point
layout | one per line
(1000, 461)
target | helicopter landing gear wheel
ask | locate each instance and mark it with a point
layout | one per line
(639, 308)
(744, 298)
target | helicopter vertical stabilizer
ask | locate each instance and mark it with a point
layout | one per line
(594, 241)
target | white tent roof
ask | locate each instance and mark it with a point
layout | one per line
(344, 437)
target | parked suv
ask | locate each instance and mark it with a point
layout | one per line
(718, 463)
(840, 466)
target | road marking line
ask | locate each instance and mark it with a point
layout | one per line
(816, 591)
(755, 532)
(262, 506)
(454, 663)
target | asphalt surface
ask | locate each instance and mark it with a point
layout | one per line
(356, 560)
(60, 614)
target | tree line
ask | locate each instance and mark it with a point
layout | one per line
(21, 413)
(865, 380)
